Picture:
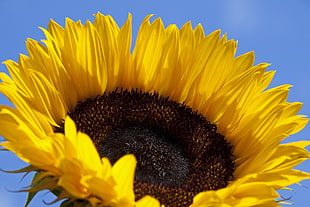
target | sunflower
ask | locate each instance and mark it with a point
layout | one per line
(179, 121)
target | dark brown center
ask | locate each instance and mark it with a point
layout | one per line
(178, 152)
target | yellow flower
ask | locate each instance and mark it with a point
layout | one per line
(202, 126)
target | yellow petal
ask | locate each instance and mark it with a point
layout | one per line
(123, 173)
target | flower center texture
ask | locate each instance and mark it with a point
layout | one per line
(178, 151)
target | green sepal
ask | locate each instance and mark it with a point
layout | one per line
(27, 169)
(31, 194)
(66, 203)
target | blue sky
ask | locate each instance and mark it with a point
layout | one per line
(278, 32)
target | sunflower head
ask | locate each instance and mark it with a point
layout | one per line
(178, 121)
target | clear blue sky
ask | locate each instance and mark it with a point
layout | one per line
(278, 32)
